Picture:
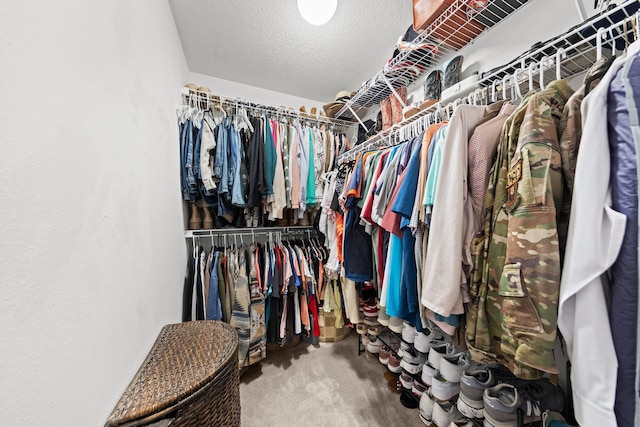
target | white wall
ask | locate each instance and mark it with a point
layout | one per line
(229, 89)
(92, 250)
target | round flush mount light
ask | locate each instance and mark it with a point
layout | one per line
(317, 12)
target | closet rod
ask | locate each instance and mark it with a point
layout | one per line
(301, 229)
(580, 56)
(193, 95)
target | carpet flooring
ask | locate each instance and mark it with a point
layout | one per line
(323, 385)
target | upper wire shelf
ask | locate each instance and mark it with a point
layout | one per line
(564, 56)
(455, 28)
(206, 100)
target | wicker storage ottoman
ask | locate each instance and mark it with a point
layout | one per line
(190, 378)
(328, 330)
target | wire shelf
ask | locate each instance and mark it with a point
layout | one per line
(564, 56)
(456, 27)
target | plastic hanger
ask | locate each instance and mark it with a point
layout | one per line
(560, 54)
(599, 37)
(543, 62)
(531, 71)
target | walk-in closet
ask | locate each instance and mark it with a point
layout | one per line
(320, 213)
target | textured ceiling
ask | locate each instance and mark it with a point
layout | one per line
(269, 45)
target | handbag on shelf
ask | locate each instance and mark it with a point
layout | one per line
(427, 11)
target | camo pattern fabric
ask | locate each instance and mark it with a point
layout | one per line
(570, 135)
(513, 317)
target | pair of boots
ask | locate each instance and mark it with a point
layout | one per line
(391, 108)
(439, 80)
(197, 221)
(251, 217)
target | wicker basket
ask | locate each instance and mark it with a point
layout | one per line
(190, 377)
(328, 330)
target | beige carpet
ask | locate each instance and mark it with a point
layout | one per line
(323, 385)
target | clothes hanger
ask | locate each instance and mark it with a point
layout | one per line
(493, 91)
(560, 55)
(599, 37)
(531, 70)
(543, 62)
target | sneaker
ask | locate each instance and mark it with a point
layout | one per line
(452, 366)
(361, 328)
(408, 333)
(503, 401)
(383, 356)
(370, 312)
(428, 372)
(394, 363)
(403, 347)
(426, 407)
(373, 345)
(413, 361)
(383, 317)
(418, 388)
(395, 324)
(428, 338)
(473, 383)
(373, 330)
(406, 379)
(444, 390)
(444, 413)
(436, 352)
(548, 418)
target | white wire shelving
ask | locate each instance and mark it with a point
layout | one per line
(564, 56)
(456, 27)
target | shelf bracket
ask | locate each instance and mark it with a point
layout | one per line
(357, 118)
(393, 90)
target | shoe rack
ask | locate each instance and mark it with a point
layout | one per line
(564, 56)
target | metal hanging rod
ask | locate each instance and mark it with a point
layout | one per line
(200, 99)
(564, 55)
(190, 234)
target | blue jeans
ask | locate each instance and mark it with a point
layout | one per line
(192, 185)
(235, 171)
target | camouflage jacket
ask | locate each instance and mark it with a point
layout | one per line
(516, 256)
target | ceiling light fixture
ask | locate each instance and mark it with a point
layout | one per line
(317, 12)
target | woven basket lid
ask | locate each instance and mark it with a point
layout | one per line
(184, 358)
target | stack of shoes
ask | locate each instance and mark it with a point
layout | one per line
(473, 383)
(392, 346)
(370, 311)
(503, 402)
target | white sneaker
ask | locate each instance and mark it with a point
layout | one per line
(383, 317)
(408, 333)
(444, 390)
(413, 361)
(373, 344)
(444, 413)
(452, 366)
(406, 380)
(428, 372)
(469, 409)
(418, 389)
(426, 407)
(395, 324)
(436, 352)
(403, 347)
(427, 339)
